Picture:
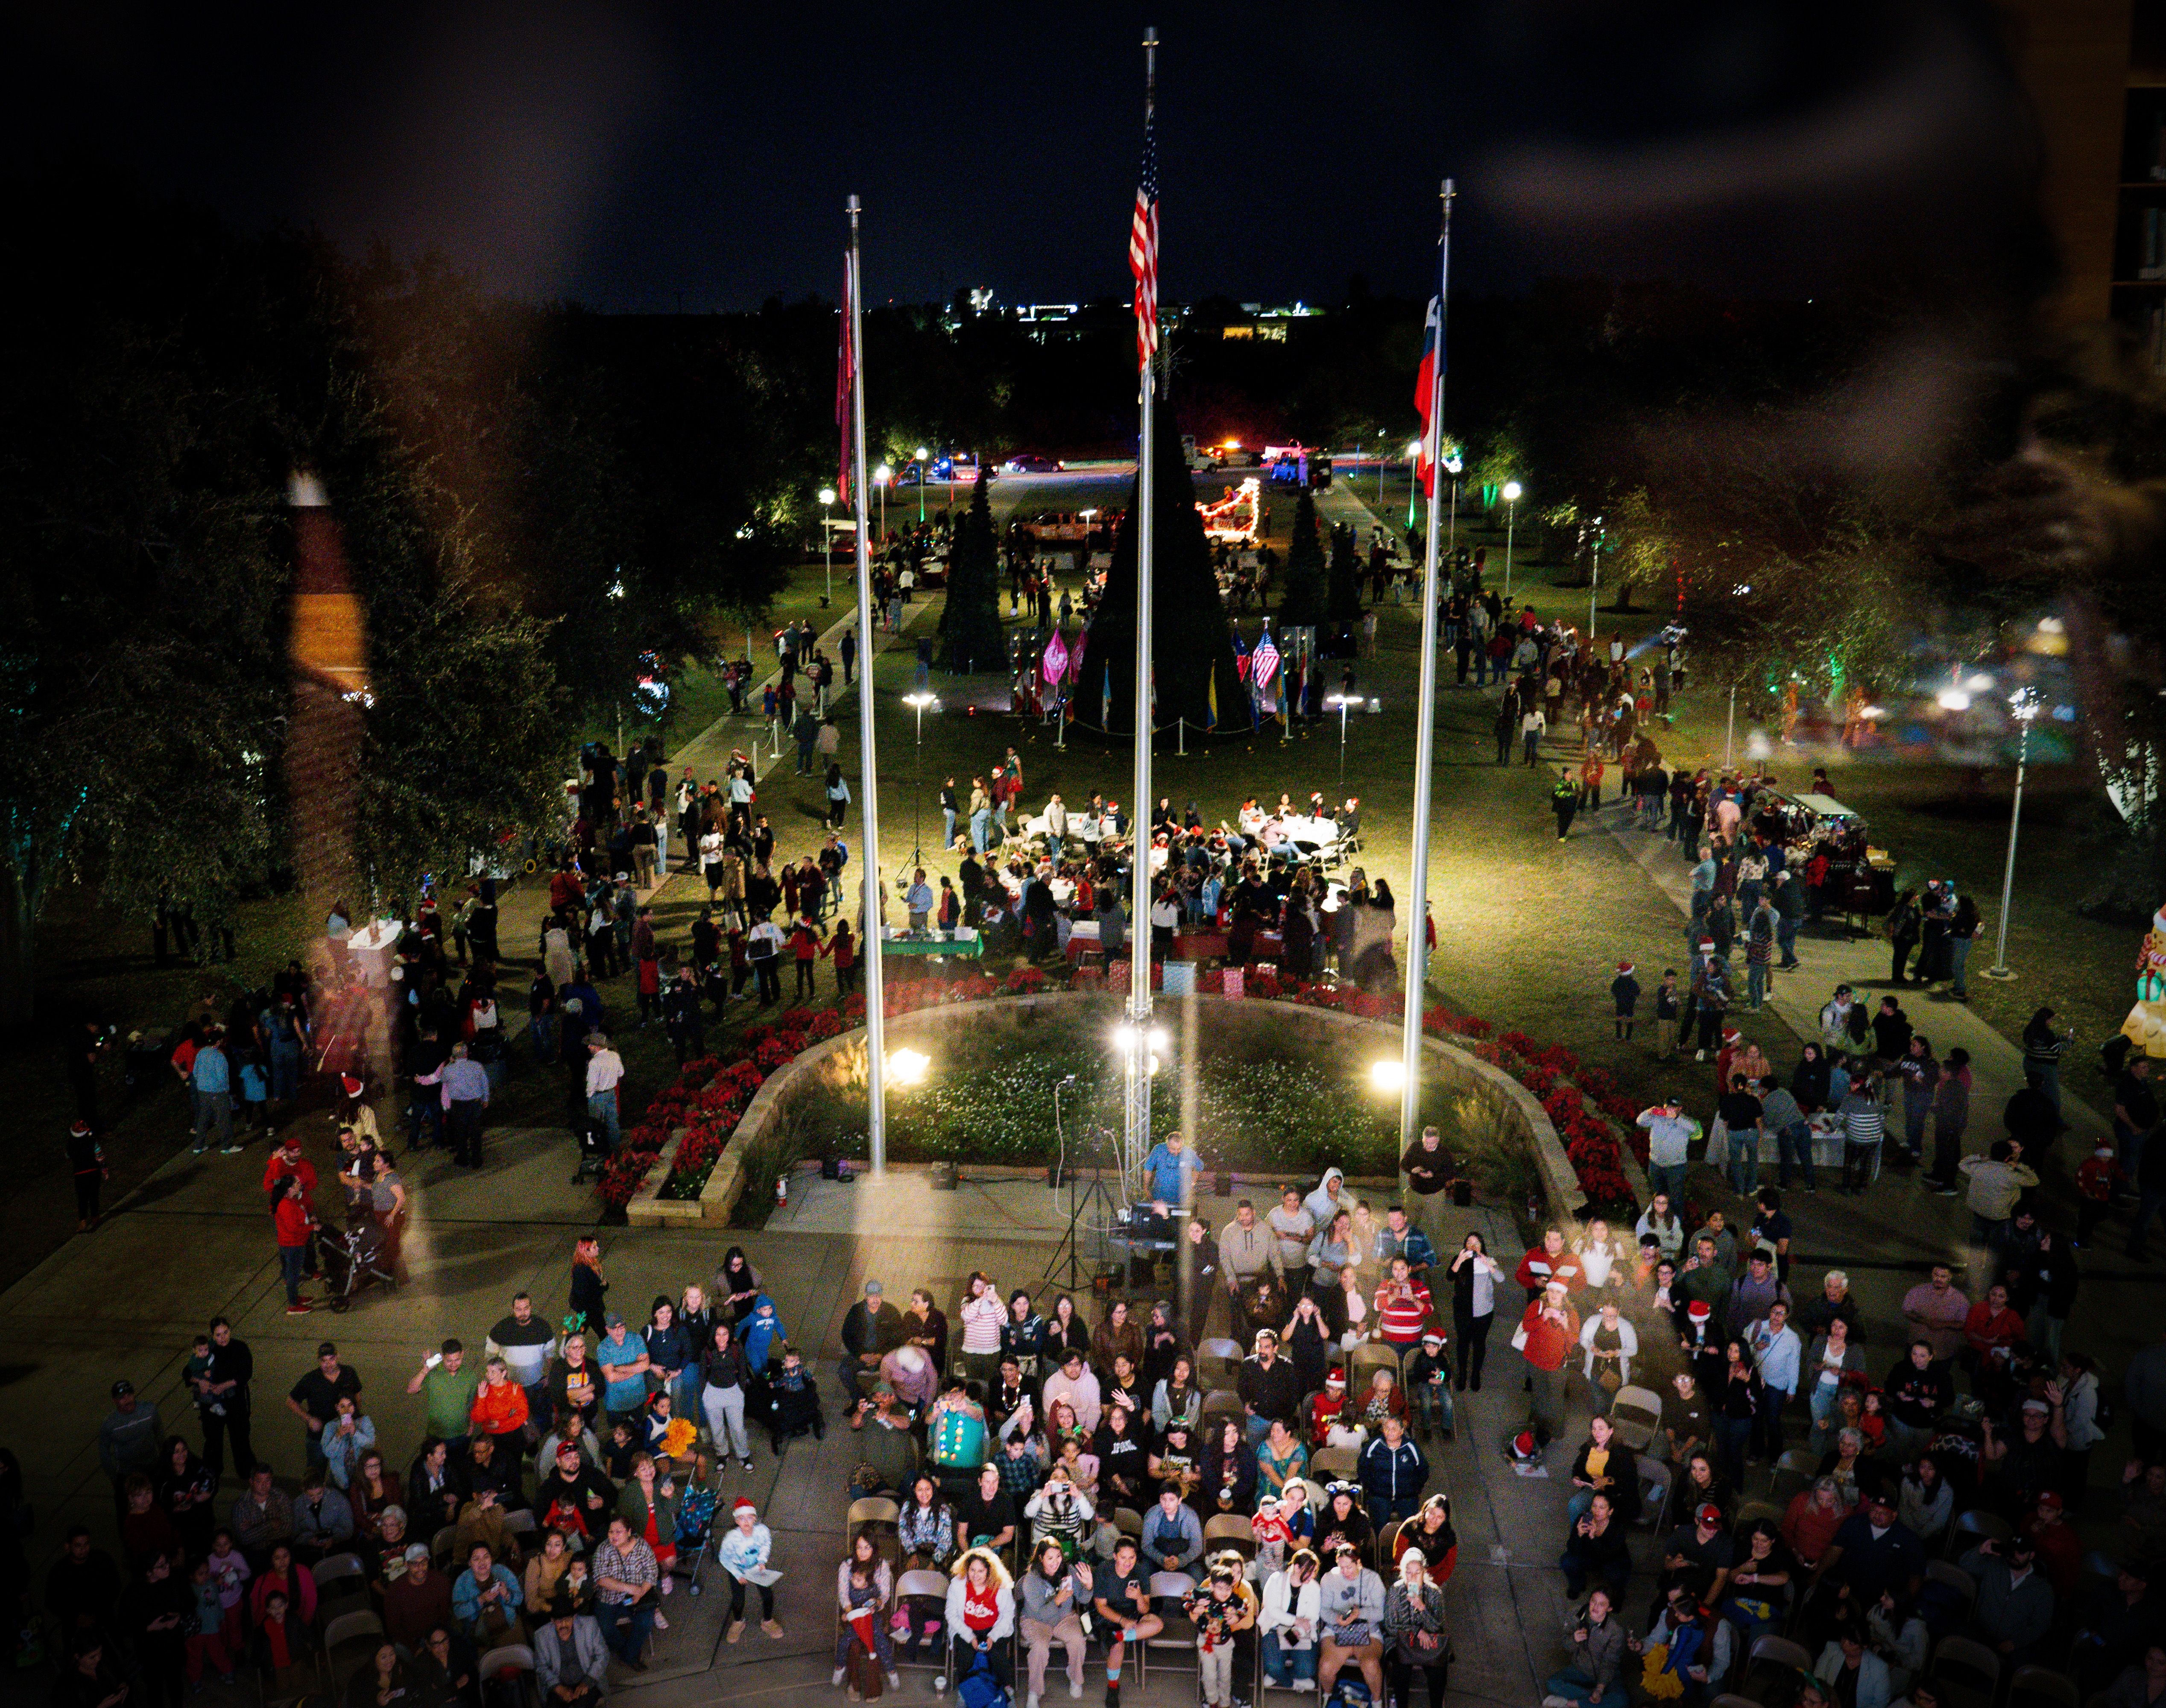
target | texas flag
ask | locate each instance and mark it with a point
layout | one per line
(1432, 356)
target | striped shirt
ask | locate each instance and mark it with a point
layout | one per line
(1862, 1121)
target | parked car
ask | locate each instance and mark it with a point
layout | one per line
(1031, 462)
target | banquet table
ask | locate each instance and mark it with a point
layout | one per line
(962, 940)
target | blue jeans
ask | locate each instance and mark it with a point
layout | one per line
(1786, 939)
(213, 1112)
(292, 1260)
(626, 1629)
(543, 1031)
(603, 1109)
(1288, 1666)
(1958, 959)
(979, 821)
(1756, 980)
(1745, 1161)
(1668, 1178)
(1795, 1142)
(1575, 1684)
(425, 1113)
(948, 814)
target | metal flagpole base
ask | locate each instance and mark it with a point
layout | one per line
(2001, 974)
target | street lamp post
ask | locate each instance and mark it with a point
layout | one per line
(2024, 704)
(827, 541)
(922, 456)
(882, 475)
(918, 703)
(1594, 579)
(1511, 495)
(1344, 702)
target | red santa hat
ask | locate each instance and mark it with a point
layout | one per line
(1625, 966)
(1699, 1310)
(742, 1503)
(1336, 1378)
(350, 1085)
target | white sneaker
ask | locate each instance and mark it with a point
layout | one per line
(660, 1623)
(940, 1684)
(668, 1583)
(1033, 1701)
(895, 1681)
(1556, 1702)
(1076, 1693)
(837, 1678)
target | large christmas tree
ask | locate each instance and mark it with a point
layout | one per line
(971, 637)
(1301, 602)
(1192, 654)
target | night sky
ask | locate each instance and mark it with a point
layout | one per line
(649, 158)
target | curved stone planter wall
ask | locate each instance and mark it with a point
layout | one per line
(1485, 1095)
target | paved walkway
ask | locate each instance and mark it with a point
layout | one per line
(1826, 961)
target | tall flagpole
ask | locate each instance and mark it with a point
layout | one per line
(1138, 1080)
(869, 799)
(1410, 1021)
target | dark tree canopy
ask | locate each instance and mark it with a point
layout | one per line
(1191, 650)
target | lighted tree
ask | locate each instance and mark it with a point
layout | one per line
(1191, 653)
(1301, 602)
(971, 637)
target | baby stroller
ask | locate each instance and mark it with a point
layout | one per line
(352, 1259)
(696, 1531)
(594, 1149)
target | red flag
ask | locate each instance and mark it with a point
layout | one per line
(846, 371)
(1142, 248)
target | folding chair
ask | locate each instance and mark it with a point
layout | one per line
(1773, 1655)
(1727, 1700)
(1748, 1510)
(349, 1641)
(341, 1587)
(2041, 1687)
(1955, 1577)
(1637, 1414)
(1229, 1530)
(1387, 1539)
(1129, 1522)
(439, 1547)
(917, 1587)
(1338, 1464)
(876, 1512)
(1218, 1405)
(1972, 1527)
(1173, 1589)
(1794, 1470)
(1969, 1673)
(1364, 1361)
(514, 1661)
(1654, 1492)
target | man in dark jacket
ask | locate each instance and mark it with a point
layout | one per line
(1268, 1387)
(872, 1330)
(1394, 1473)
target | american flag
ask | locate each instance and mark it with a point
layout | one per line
(1142, 248)
(846, 373)
(1263, 662)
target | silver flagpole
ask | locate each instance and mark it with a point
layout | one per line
(1137, 1078)
(868, 796)
(1410, 1036)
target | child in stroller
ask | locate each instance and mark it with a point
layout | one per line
(792, 1402)
(362, 1253)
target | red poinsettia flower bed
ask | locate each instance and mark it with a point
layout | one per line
(1593, 1119)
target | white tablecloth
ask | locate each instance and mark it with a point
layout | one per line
(373, 949)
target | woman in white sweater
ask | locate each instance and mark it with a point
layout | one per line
(1288, 1623)
(981, 1614)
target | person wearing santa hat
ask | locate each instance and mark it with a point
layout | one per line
(1624, 992)
(743, 1552)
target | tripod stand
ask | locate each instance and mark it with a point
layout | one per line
(1097, 1201)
